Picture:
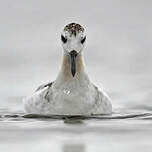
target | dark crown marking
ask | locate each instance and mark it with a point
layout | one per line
(74, 28)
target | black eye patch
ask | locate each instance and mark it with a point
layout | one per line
(83, 40)
(64, 40)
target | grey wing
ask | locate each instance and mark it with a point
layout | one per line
(103, 101)
(43, 86)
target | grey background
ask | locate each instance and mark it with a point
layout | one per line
(117, 53)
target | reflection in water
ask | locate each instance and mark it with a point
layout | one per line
(73, 147)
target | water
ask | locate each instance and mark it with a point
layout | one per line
(124, 130)
(39, 134)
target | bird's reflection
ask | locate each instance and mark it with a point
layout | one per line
(73, 147)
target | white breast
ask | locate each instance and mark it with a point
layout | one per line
(73, 99)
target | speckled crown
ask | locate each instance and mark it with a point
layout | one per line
(74, 28)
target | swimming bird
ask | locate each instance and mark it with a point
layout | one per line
(72, 93)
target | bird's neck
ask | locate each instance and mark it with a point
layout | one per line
(66, 67)
(65, 75)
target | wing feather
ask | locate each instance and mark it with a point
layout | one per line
(43, 86)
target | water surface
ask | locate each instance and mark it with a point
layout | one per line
(124, 130)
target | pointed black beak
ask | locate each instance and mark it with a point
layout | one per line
(73, 55)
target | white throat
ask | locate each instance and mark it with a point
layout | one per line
(65, 76)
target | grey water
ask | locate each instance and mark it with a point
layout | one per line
(117, 57)
(20, 132)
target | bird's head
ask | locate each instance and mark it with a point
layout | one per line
(73, 40)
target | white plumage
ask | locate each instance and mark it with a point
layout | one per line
(69, 94)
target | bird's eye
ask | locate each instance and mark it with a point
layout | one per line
(83, 40)
(64, 40)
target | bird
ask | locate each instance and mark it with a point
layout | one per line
(72, 92)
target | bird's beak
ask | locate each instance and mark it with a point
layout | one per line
(73, 55)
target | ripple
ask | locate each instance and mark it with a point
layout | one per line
(69, 118)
